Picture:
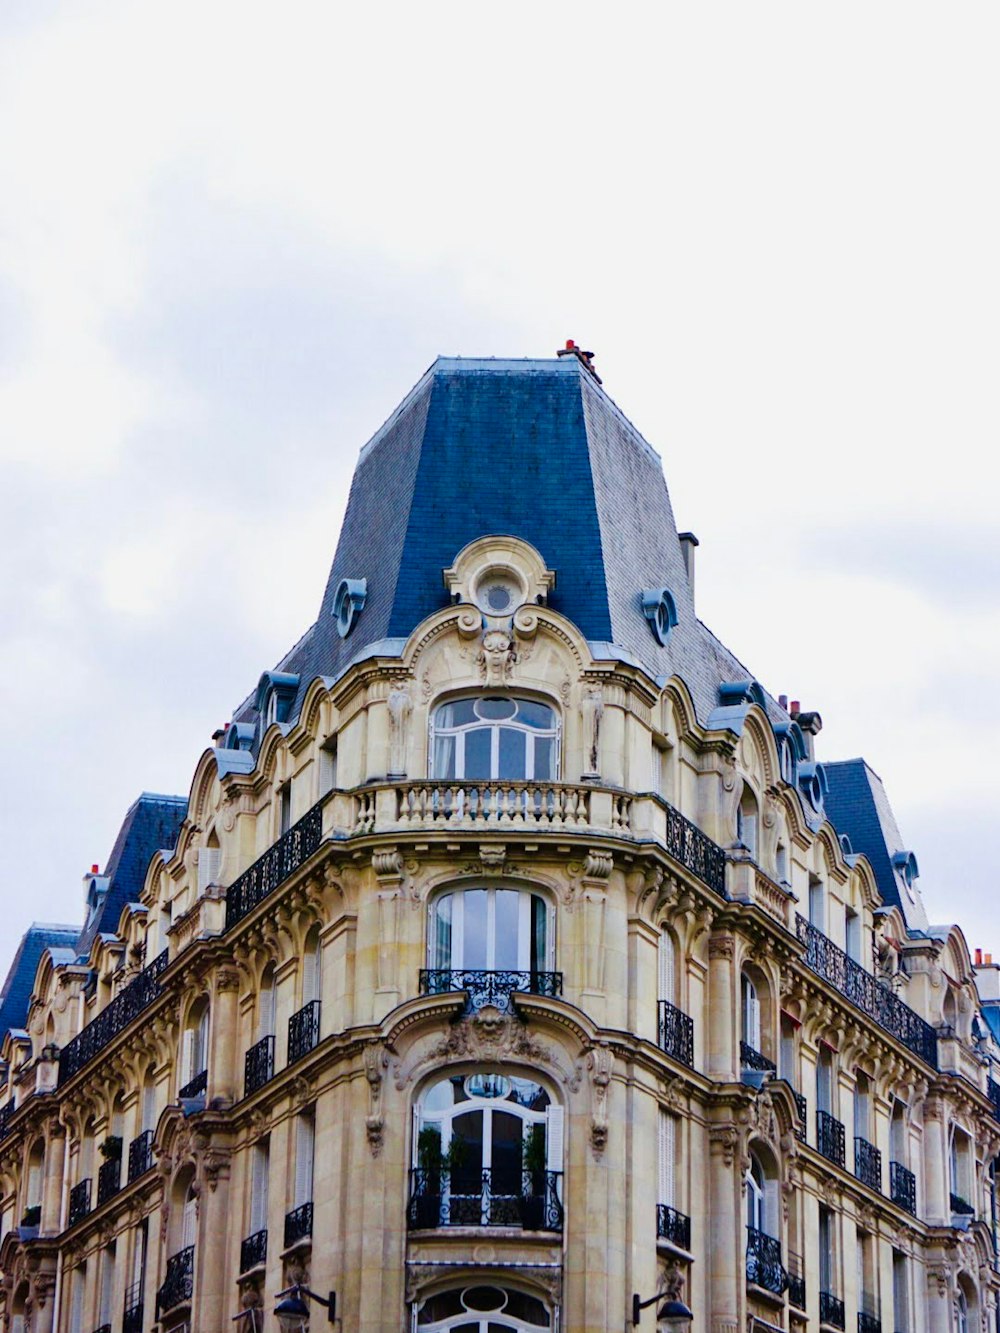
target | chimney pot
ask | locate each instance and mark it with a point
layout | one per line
(688, 542)
(979, 958)
(95, 870)
(988, 959)
(783, 701)
(795, 708)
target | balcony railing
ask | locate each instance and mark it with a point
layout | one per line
(253, 1251)
(673, 1226)
(303, 1031)
(5, 1114)
(676, 1033)
(79, 1203)
(830, 1138)
(695, 851)
(764, 1266)
(258, 1065)
(140, 1155)
(195, 1087)
(961, 1207)
(109, 1180)
(178, 1283)
(104, 1328)
(753, 1059)
(298, 1224)
(831, 1310)
(130, 1001)
(488, 988)
(903, 1187)
(802, 1106)
(132, 1317)
(868, 1164)
(274, 867)
(993, 1092)
(796, 1282)
(869, 1321)
(473, 1198)
(866, 992)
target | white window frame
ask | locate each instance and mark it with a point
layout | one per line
(524, 910)
(460, 731)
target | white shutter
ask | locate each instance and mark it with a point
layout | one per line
(554, 1139)
(107, 1284)
(258, 1189)
(149, 1106)
(209, 864)
(266, 1003)
(416, 1135)
(202, 1044)
(17, 1325)
(34, 1185)
(187, 1057)
(304, 1146)
(666, 1157)
(189, 1228)
(76, 1301)
(138, 1257)
(666, 967)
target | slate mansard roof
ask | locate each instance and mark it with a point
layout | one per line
(16, 994)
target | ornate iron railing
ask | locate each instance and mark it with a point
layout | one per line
(79, 1202)
(105, 1328)
(303, 1031)
(751, 1059)
(903, 1187)
(993, 1092)
(695, 850)
(868, 1164)
(140, 1155)
(258, 1065)
(298, 1224)
(673, 1226)
(253, 1251)
(274, 867)
(866, 992)
(109, 1180)
(830, 1138)
(178, 1283)
(472, 1198)
(130, 1001)
(488, 988)
(195, 1087)
(132, 1318)
(796, 1282)
(676, 1033)
(802, 1106)
(868, 1322)
(5, 1114)
(831, 1310)
(764, 1266)
(961, 1207)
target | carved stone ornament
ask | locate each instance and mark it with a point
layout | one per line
(723, 1142)
(400, 706)
(591, 713)
(721, 947)
(388, 864)
(600, 1063)
(376, 1061)
(496, 659)
(598, 864)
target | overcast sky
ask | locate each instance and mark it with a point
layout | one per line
(232, 236)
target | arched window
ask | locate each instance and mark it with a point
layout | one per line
(764, 1263)
(495, 739)
(490, 930)
(194, 1052)
(746, 821)
(756, 1216)
(266, 1001)
(962, 1308)
(487, 1151)
(667, 967)
(312, 967)
(483, 1309)
(750, 1015)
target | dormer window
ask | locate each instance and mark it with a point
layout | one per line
(276, 692)
(495, 739)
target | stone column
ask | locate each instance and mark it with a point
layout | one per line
(939, 1298)
(222, 1075)
(724, 1231)
(52, 1184)
(937, 1207)
(721, 1042)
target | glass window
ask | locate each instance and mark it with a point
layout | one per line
(490, 930)
(483, 1309)
(495, 739)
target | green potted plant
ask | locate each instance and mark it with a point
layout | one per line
(111, 1148)
(425, 1205)
(30, 1220)
(532, 1202)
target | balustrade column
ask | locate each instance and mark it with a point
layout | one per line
(726, 1235)
(52, 1185)
(224, 1027)
(721, 1041)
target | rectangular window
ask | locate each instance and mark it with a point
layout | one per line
(284, 808)
(258, 1187)
(824, 1082)
(328, 766)
(817, 903)
(209, 862)
(305, 1136)
(107, 1284)
(665, 961)
(827, 1265)
(852, 934)
(138, 1263)
(667, 1156)
(789, 1064)
(867, 1297)
(189, 1223)
(900, 1293)
(77, 1290)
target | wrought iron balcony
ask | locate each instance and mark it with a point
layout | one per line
(676, 1033)
(258, 1065)
(903, 1187)
(109, 1180)
(802, 1106)
(79, 1203)
(196, 1087)
(298, 1224)
(686, 843)
(961, 1207)
(253, 1251)
(5, 1114)
(140, 1155)
(830, 1138)
(673, 1226)
(482, 1198)
(869, 1321)
(130, 1001)
(274, 867)
(993, 1092)
(132, 1318)
(105, 1328)
(868, 1164)
(764, 1266)
(488, 988)
(796, 1282)
(752, 1059)
(831, 1310)
(867, 993)
(178, 1283)
(303, 1031)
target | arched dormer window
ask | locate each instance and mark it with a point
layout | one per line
(493, 738)
(487, 1151)
(746, 821)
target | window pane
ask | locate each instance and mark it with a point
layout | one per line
(506, 1159)
(467, 1153)
(474, 950)
(535, 715)
(477, 753)
(441, 937)
(495, 710)
(507, 903)
(513, 750)
(544, 767)
(539, 916)
(444, 756)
